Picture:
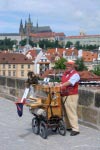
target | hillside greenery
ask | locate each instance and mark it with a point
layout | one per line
(7, 43)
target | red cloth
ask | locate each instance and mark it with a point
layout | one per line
(69, 90)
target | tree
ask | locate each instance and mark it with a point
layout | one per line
(59, 64)
(24, 42)
(68, 45)
(7, 43)
(49, 44)
(80, 64)
(96, 70)
(78, 45)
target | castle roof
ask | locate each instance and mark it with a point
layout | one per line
(41, 29)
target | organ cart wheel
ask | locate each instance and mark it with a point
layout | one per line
(54, 129)
(62, 128)
(43, 129)
(35, 125)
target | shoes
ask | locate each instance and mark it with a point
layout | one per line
(73, 133)
(69, 129)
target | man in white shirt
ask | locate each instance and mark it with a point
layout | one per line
(69, 92)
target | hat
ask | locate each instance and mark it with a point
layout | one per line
(70, 62)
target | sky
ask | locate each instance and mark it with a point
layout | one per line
(68, 16)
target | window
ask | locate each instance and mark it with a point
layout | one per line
(9, 66)
(14, 66)
(22, 73)
(41, 60)
(99, 56)
(3, 73)
(3, 66)
(28, 66)
(9, 73)
(22, 66)
(14, 73)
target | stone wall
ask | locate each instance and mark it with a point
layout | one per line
(89, 99)
(11, 88)
(89, 106)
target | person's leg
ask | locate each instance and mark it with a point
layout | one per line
(71, 110)
(68, 125)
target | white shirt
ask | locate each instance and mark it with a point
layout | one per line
(75, 78)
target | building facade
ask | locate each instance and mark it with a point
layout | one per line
(15, 65)
(84, 39)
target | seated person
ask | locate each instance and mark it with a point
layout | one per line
(32, 79)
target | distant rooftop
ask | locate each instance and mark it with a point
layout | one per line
(9, 34)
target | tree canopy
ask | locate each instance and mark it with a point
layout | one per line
(96, 70)
(59, 64)
(80, 64)
(7, 43)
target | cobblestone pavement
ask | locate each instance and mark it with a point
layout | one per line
(16, 133)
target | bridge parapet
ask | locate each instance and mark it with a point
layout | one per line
(89, 99)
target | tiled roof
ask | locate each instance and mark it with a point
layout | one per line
(55, 50)
(82, 36)
(46, 34)
(60, 34)
(87, 75)
(89, 56)
(33, 53)
(52, 53)
(70, 52)
(14, 58)
(43, 62)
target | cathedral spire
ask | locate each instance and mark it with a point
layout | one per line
(21, 27)
(37, 23)
(29, 19)
(21, 22)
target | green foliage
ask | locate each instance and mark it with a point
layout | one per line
(96, 70)
(7, 43)
(59, 64)
(80, 64)
(24, 41)
(79, 46)
(68, 45)
(91, 47)
(48, 44)
(44, 44)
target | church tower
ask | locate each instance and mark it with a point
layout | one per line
(29, 26)
(21, 29)
(37, 26)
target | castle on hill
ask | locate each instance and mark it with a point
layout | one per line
(28, 27)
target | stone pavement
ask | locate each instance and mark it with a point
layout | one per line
(16, 133)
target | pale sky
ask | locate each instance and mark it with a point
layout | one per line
(68, 16)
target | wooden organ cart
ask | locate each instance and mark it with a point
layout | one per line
(47, 110)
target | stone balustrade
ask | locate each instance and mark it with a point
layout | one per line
(89, 99)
